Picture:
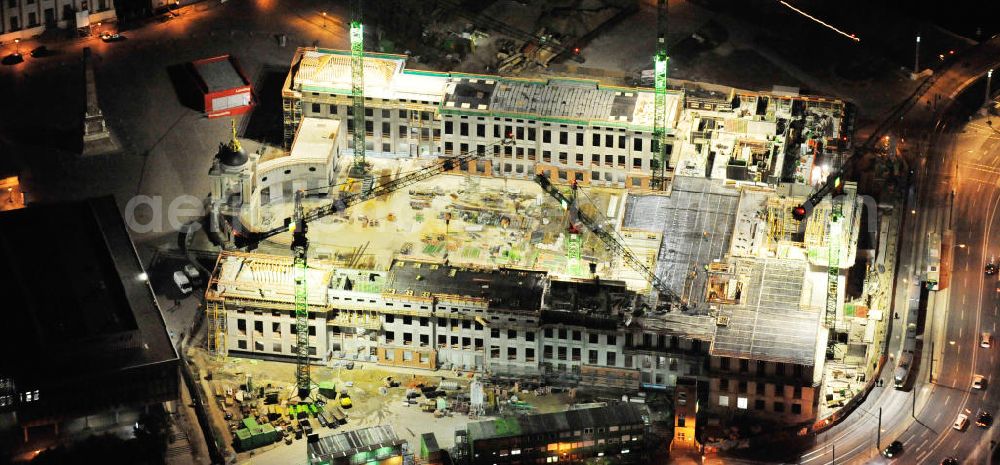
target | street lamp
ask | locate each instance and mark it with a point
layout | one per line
(10, 195)
(989, 80)
(17, 46)
(324, 20)
(916, 57)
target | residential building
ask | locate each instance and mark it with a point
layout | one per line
(374, 445)
(617, 433)
(685, 415)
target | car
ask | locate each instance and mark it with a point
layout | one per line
(41, 52)
(112, 37)
(182, 282)
(991, 268)
(961, 421)
(985, 339)
(984, 419)
(193, 274)
(345, 402)
(979, 382)
(893, 449)
(12, 59)
(950, 461)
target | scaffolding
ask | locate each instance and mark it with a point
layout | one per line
(782, 227)
(215, 311)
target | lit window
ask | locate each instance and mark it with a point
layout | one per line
(624, 451)
(741, 402)
(723, 401)
(515, 452)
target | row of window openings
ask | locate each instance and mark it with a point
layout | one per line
(519, 133)
(370, 112)
(780, 369)
(741, 388)
(258, 326)
(275, 346)
(760, 404)
(611, 339)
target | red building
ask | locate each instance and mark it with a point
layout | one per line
(223, 85)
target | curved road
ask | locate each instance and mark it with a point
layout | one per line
(967, 162)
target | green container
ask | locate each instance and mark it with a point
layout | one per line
(250, 423)
(267, 435)
(312, 409)
(244, 440)
(328, 389)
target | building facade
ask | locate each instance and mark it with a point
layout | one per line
(615, 433)
(522, 325)
(570, 129)
(28, 18)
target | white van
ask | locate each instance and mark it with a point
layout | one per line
(182, 282)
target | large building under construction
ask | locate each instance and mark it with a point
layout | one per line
(753, 280)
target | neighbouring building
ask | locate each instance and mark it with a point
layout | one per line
(21, 19)
(91, 346)
(375, 445)
(685, 415)
(617, 433)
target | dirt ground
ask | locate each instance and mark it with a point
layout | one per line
(370, 406)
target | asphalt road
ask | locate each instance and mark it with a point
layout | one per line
(963, 162)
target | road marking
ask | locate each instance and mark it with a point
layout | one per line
(957, 443)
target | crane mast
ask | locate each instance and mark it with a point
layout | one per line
(660, 70)
(360, 168)
(300, 247)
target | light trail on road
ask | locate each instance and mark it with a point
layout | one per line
(821, 22)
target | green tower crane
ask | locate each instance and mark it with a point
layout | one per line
(660, 70)
(360, 167)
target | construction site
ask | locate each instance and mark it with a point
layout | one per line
(490, 247)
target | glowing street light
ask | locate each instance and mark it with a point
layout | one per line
(324, 20)
(17, 46)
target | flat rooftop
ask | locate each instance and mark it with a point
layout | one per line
(571, 101)
(71, 284)
(219, 73)
(696, 221)
(769, 323)
(507, 289)
(611, 415)
(240, 275)
(353, 442)
(314, 139)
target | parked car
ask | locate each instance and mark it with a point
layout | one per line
(979, 382)
(961, 422)
(893, 449)
(112, 37)
(40, 52)
(193, 274)
(985, 339)
(182, 282)
(950, 461)
(984, 420)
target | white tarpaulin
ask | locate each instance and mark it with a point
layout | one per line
(82, 18)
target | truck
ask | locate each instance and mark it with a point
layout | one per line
(902, 372)
(933, 274)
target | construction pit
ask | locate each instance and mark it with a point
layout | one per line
(466, 220)
(225, 382)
